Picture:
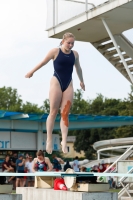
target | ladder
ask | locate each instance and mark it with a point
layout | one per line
(108, 50)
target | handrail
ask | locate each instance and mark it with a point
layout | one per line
(81, 2)
(118, 159)
(123, 178)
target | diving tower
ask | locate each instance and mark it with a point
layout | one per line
(99, 22)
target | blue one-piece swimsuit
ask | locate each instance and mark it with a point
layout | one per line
(63, 68)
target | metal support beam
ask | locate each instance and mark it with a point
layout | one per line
(118, 50)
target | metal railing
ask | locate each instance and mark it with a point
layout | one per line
(59, 11)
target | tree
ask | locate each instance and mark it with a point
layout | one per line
(31, 108)
(9, 99)
(46, 106)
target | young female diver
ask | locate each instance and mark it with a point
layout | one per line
(61, 86)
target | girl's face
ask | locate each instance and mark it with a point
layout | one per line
(7, 158)
(68, 43)
(40, 157)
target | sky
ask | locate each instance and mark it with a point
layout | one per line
(24, 43)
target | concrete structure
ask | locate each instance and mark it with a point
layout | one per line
(49, 194)
(10, 196)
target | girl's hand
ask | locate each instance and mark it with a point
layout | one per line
(82, 85)
(29, 74)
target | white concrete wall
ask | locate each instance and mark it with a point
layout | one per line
(10, 197)
(50, 194)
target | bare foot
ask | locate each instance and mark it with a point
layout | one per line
(64, 147)
(49, 147)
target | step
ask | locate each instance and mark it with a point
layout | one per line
(115, 58)
(126, 198)
(110, 53)
(105, 46)
(130, 191)
(120, 64)
(102, 41)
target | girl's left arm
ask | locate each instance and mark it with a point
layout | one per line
(79, 70)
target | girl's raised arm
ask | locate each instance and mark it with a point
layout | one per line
(51, 55)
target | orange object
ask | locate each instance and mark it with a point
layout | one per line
(59, 184)
(65, 113)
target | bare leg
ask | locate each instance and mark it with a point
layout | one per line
(55, 96)
(65, 108)
(17, 182)
(22, 182)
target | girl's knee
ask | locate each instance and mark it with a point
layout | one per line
(66, 109)
(53, 113)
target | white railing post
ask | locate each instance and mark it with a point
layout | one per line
(56, 12)
(98, 155)
(86, 5)
(53, 13)
(118, 50)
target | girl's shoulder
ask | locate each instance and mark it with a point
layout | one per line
(47, 160)
(55, 50)
(35, 160)
(75, 53)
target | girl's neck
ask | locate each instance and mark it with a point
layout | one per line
(41, 159)
(65, 51)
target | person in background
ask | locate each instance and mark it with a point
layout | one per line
(13, 164)
(67, 165)
(76, 164)
(57, 163)
(41, 163)
(101, 166)
(83, 169)
(28, 166)
(25, 169)
(6, 167)
(20, 165)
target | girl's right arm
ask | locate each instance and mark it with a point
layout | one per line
(33, 165)
(51, 55)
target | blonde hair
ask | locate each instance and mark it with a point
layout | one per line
(67, 35)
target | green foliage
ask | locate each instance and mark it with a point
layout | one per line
(9, 99)
(31, 108)
(46, 106)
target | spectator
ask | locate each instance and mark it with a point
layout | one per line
(6, 167)
(57, 163)
(101, 166)
(67, 165)
(41, 163)
(13, 164)
(76, 164)
(20, 164)
(28, 166)
(13, 161)
(25, 169)
(83, 169)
